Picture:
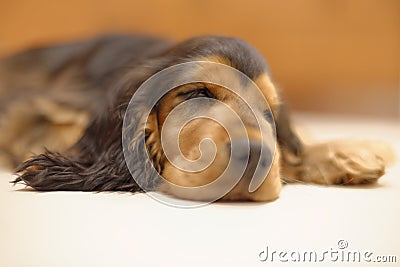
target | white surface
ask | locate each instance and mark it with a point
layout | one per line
(114, 229)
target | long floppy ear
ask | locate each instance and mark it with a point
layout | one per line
(97, 162)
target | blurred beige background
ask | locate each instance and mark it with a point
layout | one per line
(328, 56)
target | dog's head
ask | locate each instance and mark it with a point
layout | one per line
(180, 125)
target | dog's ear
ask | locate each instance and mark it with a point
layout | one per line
(95, 163)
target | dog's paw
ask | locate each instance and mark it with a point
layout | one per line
(345, 162)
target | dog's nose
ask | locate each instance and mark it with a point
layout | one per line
(253, 152)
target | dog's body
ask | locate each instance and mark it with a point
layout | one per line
(71, 100)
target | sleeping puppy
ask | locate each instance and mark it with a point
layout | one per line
(63, 113)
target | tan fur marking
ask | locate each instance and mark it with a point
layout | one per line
(269, 91)
(153, 141)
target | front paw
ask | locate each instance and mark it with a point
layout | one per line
(345, 162)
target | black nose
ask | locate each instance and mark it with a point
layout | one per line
(249, 151)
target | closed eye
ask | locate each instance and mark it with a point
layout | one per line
(199, 92)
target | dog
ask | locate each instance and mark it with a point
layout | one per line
(62, 114)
